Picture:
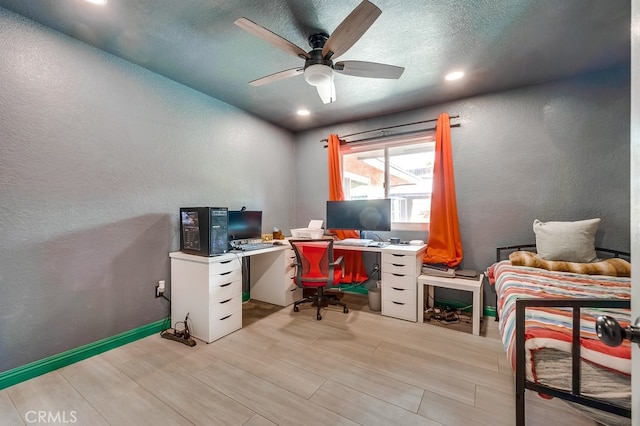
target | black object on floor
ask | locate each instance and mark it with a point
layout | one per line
(182, 336)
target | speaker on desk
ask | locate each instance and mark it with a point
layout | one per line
(203, 230)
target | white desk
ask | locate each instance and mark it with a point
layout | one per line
(400, 266)
(210, 288)
(473, 285)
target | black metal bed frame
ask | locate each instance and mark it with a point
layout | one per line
(574, 395)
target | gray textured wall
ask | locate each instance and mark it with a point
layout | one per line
(96, 157)
(553, 151)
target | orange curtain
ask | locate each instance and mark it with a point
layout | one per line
(444, 244)
(355, 270)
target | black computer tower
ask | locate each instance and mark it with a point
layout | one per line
(203, 230)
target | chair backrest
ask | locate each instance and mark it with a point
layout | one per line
(315, 266)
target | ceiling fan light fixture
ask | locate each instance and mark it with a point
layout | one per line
(318, 75)
(321, 76)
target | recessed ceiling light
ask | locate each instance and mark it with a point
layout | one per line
(98, 2)
(303, 111)
(454, 75)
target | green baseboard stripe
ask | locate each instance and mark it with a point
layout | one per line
(354, 289)
(46, 365)
(489, 311)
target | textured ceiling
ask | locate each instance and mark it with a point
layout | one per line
(500, 44)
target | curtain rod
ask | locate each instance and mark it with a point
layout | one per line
(393, 127)
(375, 138)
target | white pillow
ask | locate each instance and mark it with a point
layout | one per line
(567, 241)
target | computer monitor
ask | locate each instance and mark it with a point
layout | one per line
(360, 215)
(244, 225)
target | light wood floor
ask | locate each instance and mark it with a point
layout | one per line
(287, 368)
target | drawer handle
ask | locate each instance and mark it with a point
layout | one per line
(398, 303)
(399, 289)
(226, 261)
(225, 301)
(225, 285)
(397, 255)
(225, 273)
(398, 275)
(397, 264)
(224, 318)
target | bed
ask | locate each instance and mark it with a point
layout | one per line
(557, 352)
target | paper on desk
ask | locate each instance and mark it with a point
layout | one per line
(315, 223)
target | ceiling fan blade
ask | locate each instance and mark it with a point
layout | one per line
(351, 29)
(276, 77)
(327, 92)
(271, 37)
(368, 69)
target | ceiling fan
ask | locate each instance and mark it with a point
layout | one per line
(318, 69)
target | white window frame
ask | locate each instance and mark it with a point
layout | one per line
(385, 144)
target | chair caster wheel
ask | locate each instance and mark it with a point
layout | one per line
(345, 310)
(296, 309)
(319, 317)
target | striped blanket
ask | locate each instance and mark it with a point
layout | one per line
(551, 327)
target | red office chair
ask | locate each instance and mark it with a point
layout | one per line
(316, 269)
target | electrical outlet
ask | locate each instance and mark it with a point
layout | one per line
(160, 289)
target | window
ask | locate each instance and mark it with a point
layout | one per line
(401, 170)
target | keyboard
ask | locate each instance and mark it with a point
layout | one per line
(252, 246)
(359, 242)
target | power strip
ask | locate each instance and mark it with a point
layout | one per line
(447, 315)
(178, 336)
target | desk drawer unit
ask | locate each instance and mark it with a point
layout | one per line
(225, 309)
(293, 292)
(272, 278)
(399, 297)
(209, 290)
(225, 313)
